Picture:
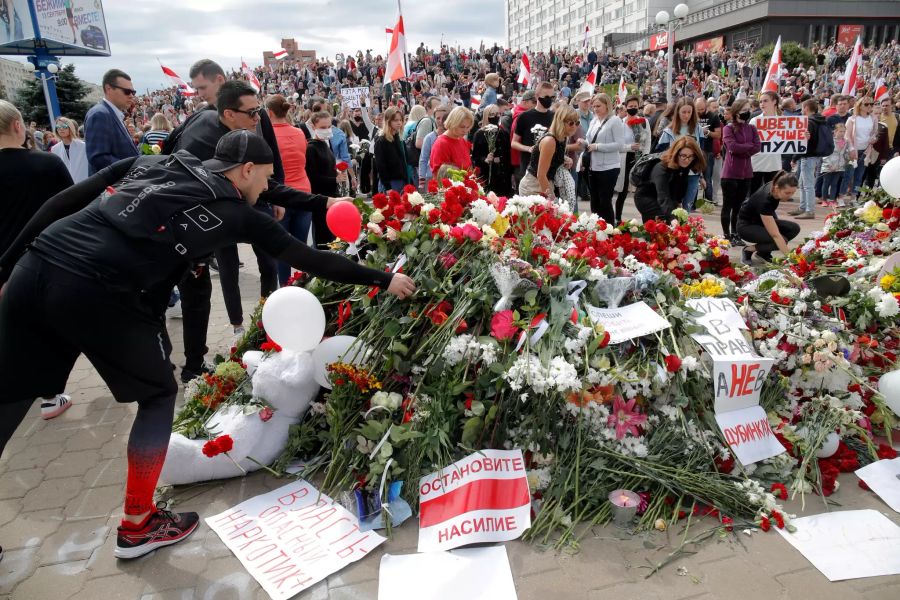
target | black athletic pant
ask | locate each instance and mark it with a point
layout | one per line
(602, 184)
(734, 192)
(620, 201)
(196, 291)
(758, 235)
(48, 317)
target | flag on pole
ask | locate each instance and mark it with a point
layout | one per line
(251, 77)
(587, 31)
(279, 54)
(881, 90)
(773, 73)
(622, 92)
(396, 62)
(851, 75)
(183, 87)
(590, 82)
(524, 71)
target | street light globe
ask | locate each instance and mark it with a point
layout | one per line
(681, 11)
(29, 66)
(53, 68)
(662, 17)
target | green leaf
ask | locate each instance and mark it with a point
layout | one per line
(531, 296)
(477, 408)
(400, 347)
(391, 328)
(472, 430)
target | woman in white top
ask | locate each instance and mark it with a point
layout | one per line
(862, 131)
(70, 149)
(765, 164)
(605, 141)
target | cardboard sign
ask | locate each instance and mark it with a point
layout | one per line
(482, 498)
(749, 435)
(470, 573)
(738, 382)
(628, 322)
(782, 135)
(292, 537)
(883, 477)
(353, 97)
(848, 544)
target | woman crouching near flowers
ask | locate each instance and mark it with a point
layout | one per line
(490, 153)
(758, 223)
(637, 131)
(659, 194)
(548, 155)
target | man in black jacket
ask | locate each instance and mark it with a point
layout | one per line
(95, 280)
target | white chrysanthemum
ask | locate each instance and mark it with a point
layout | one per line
(483, 213)
(888, 306)
(456, 349)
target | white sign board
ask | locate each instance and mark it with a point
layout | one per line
(80, 24)
(782, 135)
(292, 537)
(749, 435)
(481, 498)
(470, 573)
(848, 544)
(883, 478)
(628, 322)
(353, 97)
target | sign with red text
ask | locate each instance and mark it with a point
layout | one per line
(749, 435)
(847, 34)
(292, 538)
(659, 41)
(782, 135)
(482, 498)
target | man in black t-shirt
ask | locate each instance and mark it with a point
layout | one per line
(712, 129)
(96, 281)
(523, 138)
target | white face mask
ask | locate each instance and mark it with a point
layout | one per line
(323, 134)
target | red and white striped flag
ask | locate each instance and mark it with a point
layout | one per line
(251, 76)
(185, 89)
(773, 74)
(524, 71)
(881, 90)
(587, 31)
(279, 54)
(396, 63)
(851, 75)
(622, 92)
(590, 82)
(475, 102)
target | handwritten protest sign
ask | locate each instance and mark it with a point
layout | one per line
(738, 377)
(353, 97)
(782, 135)
(481, 498)
(628, 322)
(292, 537)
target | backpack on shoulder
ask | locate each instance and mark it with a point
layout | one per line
(640, 172)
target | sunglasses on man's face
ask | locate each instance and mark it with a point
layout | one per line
(252, 113)
(127, 91)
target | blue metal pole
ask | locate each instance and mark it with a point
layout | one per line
(41, 59)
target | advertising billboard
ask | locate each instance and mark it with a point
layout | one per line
(659, 41)
(847, 34)
(64, 27)
(711, 45)
(15, 21)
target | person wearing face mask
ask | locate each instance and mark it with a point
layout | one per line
(632, 126)
(494, 166)
(541, 117)
(741, 142)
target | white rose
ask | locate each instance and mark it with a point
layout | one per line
(376, 229)
(427, 208)
(376, 216)
(415, 198)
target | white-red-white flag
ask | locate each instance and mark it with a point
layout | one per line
(475, 101)
(881, 90)
(773, 73)
(587, 31)
(279, 54)
(851, 75)
(396, 63)
(185, 89)
(622, 92)
(590, 82)
(524, 71)
(251, 76)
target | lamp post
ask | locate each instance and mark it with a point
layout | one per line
(663, 20)
(47, 71)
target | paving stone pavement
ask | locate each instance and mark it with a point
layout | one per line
(61, 488)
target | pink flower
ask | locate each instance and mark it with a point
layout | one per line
(265, 414)
(472, 232)
(625, 418)
(502, 326)
(448, 259)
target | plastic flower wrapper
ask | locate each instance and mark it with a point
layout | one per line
(371, 510)
(510, 285)
(613, 290)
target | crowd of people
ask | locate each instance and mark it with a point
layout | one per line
(298, 146)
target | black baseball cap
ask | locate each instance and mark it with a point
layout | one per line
(237, 147)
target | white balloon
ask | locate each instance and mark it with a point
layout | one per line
(294, 319)
(830, 446)
(890, 177)
(251, 360)
(889, 387)
(334, 350)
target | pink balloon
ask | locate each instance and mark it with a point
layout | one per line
(344, 221)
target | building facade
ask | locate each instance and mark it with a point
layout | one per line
(625, 25)
(13, 75)
(294, 53)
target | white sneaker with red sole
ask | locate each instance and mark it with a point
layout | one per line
(53, 407)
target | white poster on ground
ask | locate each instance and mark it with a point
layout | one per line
(848, 544)
(628, 322)
(883, 478)
(470, 573)
(292, 538)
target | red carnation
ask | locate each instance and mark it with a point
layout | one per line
(673, 363)
(432, 186)
(217, 446)
(765, 524)
(779, 491)
(553, 270)
(341, 166)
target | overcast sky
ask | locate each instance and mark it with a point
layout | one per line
(179, 32)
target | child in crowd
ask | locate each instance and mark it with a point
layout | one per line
(833, 168)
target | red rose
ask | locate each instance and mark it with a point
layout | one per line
(673, 363)
(553, 270)
(341, 166)
(502, 326)
(266, 414)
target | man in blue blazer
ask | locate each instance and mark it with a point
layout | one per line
(106, 137)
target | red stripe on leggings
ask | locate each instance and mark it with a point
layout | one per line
(484, 494)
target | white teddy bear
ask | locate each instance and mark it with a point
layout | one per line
(286, 381)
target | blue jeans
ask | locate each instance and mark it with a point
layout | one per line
(859, 173)
(708, 176)
(395, 184)
(808, 168)
(831, 185)
(690, 195)
(295, 222)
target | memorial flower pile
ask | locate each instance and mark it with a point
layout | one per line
(522, 335)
